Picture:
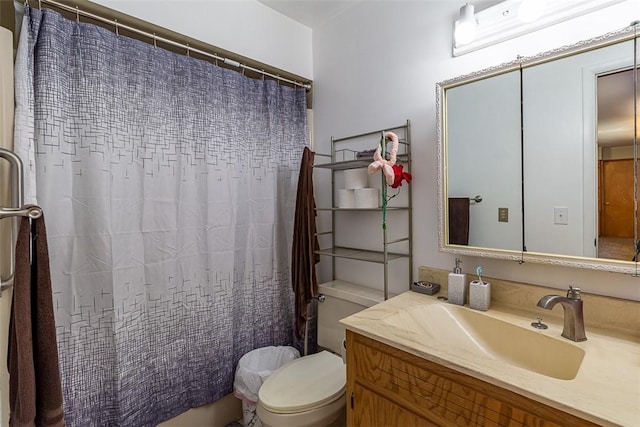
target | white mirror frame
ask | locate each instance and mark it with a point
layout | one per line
(616, 266)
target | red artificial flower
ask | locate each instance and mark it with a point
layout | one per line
(399, 175)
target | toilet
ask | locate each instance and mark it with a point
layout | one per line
(311, 391)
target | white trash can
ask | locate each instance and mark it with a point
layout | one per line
(252, 370)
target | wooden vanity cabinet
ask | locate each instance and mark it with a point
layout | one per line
(387, 387)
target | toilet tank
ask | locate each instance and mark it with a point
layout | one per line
(340, 301)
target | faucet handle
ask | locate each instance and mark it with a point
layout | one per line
(574, 293)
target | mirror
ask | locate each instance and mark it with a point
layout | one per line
(557, 174)
(479, 133)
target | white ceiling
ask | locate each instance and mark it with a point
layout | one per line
(312, 13)
(615, 109)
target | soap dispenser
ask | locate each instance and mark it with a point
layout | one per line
(457, 293)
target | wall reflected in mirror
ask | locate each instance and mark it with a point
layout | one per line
(483, 158)
(560, 111)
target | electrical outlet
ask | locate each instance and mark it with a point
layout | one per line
(503, 214)
(561, 215)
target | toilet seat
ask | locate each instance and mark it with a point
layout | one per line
(304, 384)
(332, 414)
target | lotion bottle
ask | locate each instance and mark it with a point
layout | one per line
(457, 284)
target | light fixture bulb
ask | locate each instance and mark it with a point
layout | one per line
(466, 27)
(531, 10)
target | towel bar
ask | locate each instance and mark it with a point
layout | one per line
(18, 210)
(31, 212)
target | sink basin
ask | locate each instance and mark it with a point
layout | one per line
(472, 331)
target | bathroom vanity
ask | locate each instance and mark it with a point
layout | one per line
(387, 386)
(416, 361)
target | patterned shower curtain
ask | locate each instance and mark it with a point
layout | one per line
(169, 187)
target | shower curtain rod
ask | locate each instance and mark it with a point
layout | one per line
(174, 43)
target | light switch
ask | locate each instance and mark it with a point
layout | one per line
(561, 215)
(503, 214)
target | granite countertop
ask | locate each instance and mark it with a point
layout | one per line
(605, 390)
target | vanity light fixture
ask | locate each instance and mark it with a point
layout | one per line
(466, 27)
(531, 10)
(512, 18)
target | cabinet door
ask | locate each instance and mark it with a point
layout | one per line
(390, 387)
(372, 410)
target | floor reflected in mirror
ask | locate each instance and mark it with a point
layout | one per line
(620, 248)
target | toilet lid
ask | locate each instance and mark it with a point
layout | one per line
(304, 384)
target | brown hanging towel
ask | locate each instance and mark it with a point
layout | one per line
(459, 220)
(35, 392)
(305, 244)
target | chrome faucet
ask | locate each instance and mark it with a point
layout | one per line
(573, 318)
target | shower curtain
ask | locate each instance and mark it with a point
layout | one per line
(169, 188)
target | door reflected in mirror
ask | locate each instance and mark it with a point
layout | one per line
(616, 209)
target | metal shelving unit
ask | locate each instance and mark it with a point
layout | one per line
(385, 255)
